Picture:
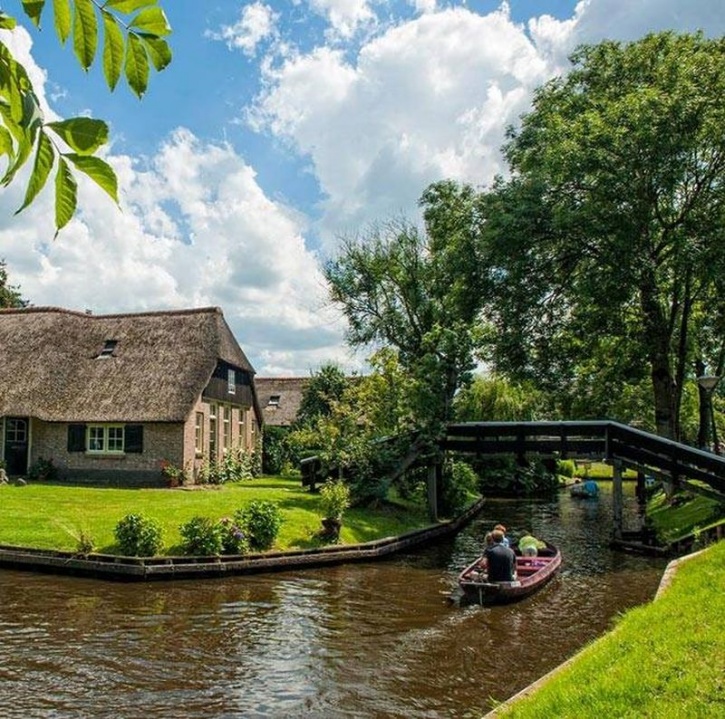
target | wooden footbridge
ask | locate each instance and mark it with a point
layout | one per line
(617, 444)
(622, 446)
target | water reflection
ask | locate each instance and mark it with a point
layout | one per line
(371, 640)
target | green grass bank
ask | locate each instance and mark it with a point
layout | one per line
(665, 659)
(45, 516)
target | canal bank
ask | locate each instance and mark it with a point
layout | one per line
(121, 568)
(676, 672)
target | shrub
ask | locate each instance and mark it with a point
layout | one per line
(201, 536)
(139, 536)
(43, 470)
(566, 467)
(238, 465)
(260, 520)
(275, 452)
(460, 482)
(234, 538)
(335, 499)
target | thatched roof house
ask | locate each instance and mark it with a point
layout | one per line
(178, 377)
(280, 398)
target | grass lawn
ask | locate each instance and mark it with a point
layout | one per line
(688, 513)
(664, 659)
(52, 516)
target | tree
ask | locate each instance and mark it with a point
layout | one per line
(70, 145)
(611, 223)
(417, 292)
(490, 398)
(9, 295)
(326, 386)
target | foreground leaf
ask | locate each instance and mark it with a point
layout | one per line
(128, 6)
(137, 65)
(33, 9)
(112, 50)
(158, 50)
(82, 134)
(66, 196)
(44, 158)
(98, 170)
(85, 32)
(6, 142)
(7, 22)
(153, 21)
(63, 16)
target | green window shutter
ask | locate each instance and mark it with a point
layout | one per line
(133, 438)
(76, 437)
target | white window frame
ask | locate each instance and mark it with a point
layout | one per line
(226, 427)
(108, 434)
(231, 381)
(199, 434)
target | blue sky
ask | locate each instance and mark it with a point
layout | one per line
(280, 127)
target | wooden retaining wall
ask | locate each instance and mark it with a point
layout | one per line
(114, 567)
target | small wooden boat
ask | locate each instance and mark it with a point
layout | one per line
(531, 574)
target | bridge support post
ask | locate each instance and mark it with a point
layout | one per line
(617, 498)
(432, 483)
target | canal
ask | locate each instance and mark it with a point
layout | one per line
(367, 640)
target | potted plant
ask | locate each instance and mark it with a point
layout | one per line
(335, 499)
(174, 475)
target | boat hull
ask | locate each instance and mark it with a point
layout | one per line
(532, 574)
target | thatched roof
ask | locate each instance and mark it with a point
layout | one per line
(50, 364)
(280, 398)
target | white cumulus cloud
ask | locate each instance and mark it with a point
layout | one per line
(257, 23)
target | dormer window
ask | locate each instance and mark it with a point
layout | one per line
(108, 348)
(274, 400)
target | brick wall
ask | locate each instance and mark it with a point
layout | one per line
(49, 440)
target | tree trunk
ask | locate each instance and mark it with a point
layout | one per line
(658, 338)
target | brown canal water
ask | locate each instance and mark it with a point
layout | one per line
(365, 640)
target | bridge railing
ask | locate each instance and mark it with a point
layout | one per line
(604, 439)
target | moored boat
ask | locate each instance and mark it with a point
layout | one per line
(531, 574)
(587, 489)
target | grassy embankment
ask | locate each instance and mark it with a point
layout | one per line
(665, 659)
(53, 516)
(685, 515)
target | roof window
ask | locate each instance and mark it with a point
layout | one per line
(273, 400)
(108, 349)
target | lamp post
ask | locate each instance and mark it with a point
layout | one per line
(707, 384)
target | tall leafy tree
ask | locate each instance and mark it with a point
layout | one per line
(611, 224)
(133, 34)
(9, 295)
(417, 291)
(325, 388)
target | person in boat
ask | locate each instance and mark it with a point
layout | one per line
(500, 560)
(591, 487)
(502, 529)
(529, 545)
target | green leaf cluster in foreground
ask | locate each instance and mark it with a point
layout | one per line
(131, 45)
(664, 659)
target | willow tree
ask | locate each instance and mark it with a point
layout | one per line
(611, 224)
(133, 35)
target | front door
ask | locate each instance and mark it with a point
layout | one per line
(16, 445)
